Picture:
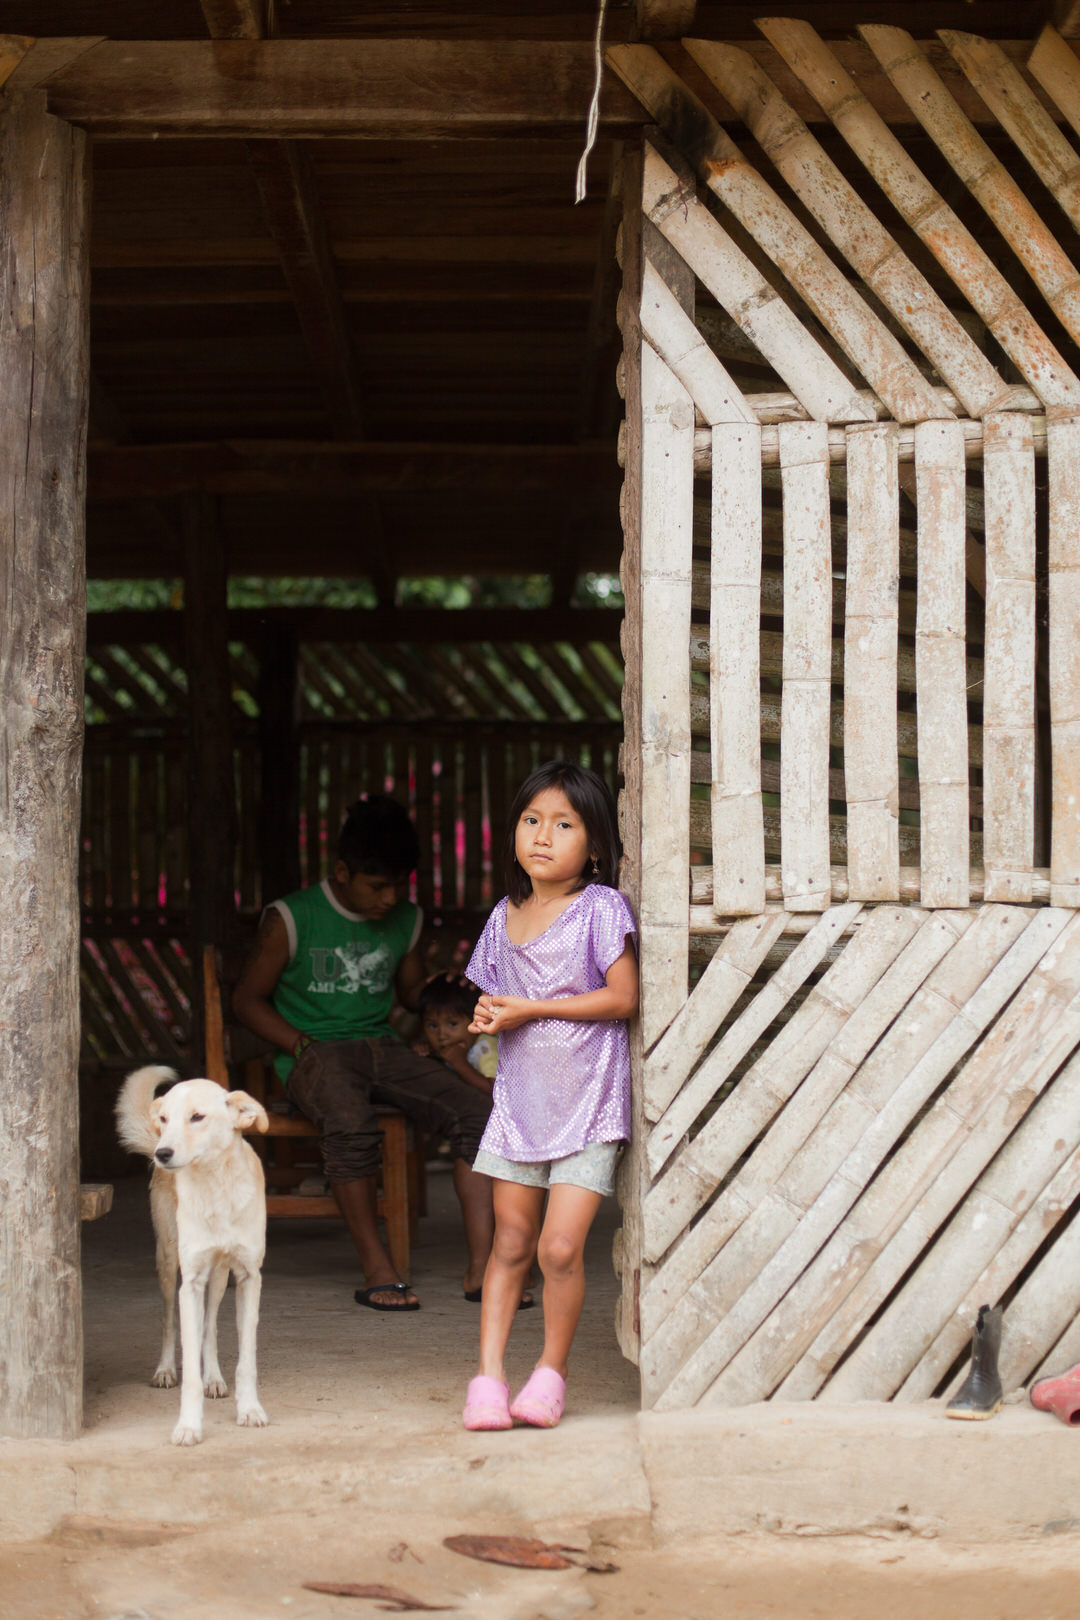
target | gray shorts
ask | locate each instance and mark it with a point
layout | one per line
(592, 1167)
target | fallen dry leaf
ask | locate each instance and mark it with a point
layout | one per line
(519, 1551)
(397, 1600)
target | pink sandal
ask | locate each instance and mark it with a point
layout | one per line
(543, 1399)
(487, 1404)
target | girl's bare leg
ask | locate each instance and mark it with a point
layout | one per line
(561, 1253)
(517, 1227)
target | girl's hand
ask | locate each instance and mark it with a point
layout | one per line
(495, 1014)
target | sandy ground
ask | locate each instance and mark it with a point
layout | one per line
(342, 1383)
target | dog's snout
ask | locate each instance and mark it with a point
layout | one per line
(164, 1154)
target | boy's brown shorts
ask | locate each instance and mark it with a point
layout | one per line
(337, 1085)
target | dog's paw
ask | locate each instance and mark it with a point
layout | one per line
(185, 1434)
(215, 1389)
(252, 1417)
(164, 1378)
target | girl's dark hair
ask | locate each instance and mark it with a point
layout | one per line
(448, 990)
(590, 797)
(378, 838)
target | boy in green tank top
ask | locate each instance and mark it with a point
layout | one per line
(320, 982)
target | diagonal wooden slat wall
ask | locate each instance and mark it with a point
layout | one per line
(856, 1085)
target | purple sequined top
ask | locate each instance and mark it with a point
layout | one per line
(560, 1084)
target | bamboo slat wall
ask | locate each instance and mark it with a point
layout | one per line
(856, 1090)
(448, 728)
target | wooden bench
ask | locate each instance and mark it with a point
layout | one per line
(235, 1057)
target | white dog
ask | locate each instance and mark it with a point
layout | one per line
(208, 1204)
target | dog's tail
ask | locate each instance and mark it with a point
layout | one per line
(133, 1107)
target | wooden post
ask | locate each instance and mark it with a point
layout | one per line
(211, 792)
(279, 762)
(633, 1175)
(44, 392)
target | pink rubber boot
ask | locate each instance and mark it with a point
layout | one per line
(1060, 1396)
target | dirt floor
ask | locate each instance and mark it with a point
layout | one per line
(365, 1470)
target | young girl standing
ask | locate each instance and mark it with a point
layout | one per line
(558, 972)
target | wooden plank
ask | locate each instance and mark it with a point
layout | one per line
(1015, 1204)
(701, 1284)
(720, 165)
(852, 225)
(804, 716)
(705, 1163)
(724, 980)
(986, 177)
(1053, 64)
(949, 1146)
(1020, 111)
(822, 69)
(667, 524)
(670, 201)
(992, 959)
(1009, 686)
(871, 770)
(972, 433)
(734, 678)
(233, 19)
(44, 396)
(877, 1365)
(13, 48)
(940, 667)
(1064, 592)
(1043, 1312)
(664, 19)
(677, 341)
(633, 1175)
(702, 920)
(361, 88)
(269, 467)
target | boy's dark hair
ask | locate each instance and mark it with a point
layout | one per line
(590, 797)
(450, 991)
(378, 838)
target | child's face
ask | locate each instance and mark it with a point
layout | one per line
(551, 842)
(369, 894)
(445, 1027)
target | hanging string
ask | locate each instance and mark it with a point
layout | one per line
(593, 119)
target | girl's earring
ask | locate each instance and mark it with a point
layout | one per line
(595, 866)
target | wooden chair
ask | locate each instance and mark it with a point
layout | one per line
(231, 1047)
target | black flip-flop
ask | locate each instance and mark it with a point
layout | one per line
(475, 1296)
(362, 1296)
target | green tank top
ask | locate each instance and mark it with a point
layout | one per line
(338, 984)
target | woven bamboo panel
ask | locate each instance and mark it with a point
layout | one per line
(857, 1122)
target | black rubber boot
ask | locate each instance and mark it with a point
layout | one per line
(979, 1396)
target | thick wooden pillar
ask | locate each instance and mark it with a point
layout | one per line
(279, 761)
(44, 371)
(212, 820)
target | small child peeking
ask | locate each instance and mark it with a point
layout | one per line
(557, 967)
(445, 1007)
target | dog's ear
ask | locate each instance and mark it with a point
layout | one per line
(248, 1115)
(155, 1114)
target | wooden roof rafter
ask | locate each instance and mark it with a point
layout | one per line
(295, 219)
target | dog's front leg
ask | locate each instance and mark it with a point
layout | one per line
(248, 1290)
(163, 1210)
(214, 1384)
(188, 1431)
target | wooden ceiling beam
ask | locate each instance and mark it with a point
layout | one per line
(411, 89)
(403, 89)
(575, 625)
(234, 19)
(664, 19)
(268, 467)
